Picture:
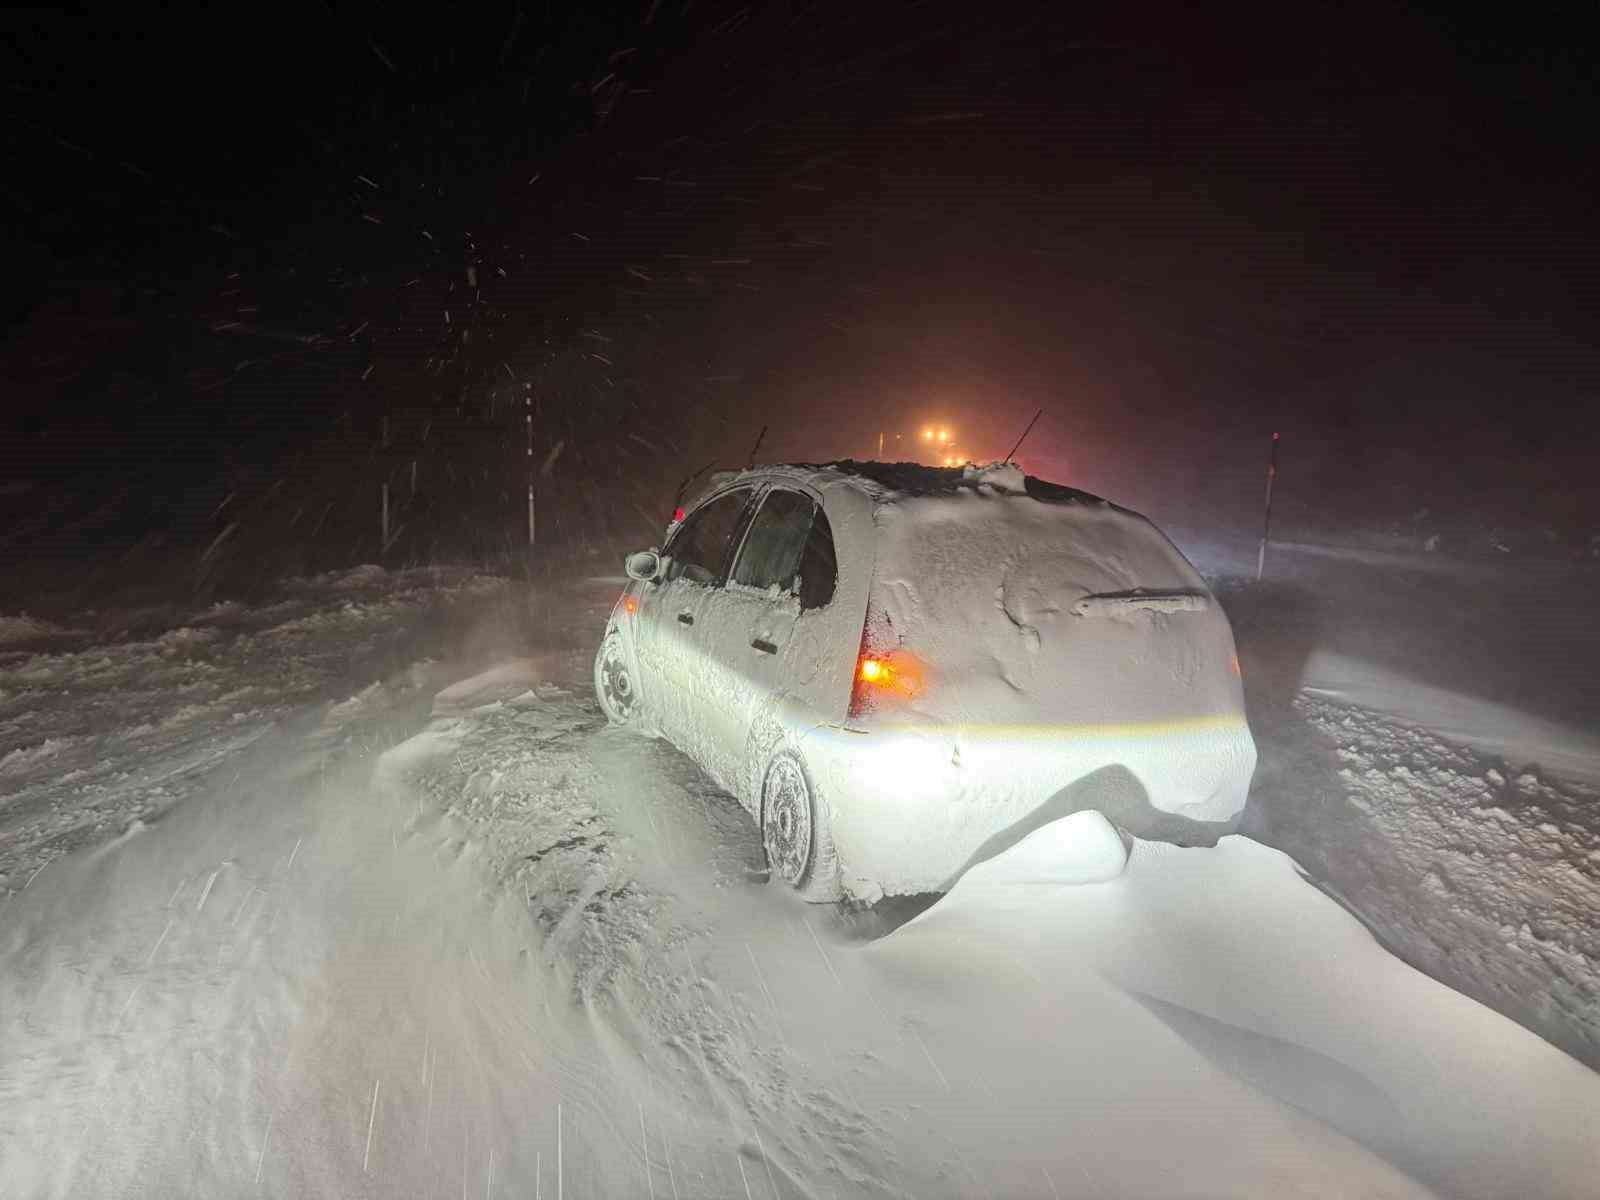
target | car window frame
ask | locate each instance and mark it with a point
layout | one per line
(833, 592)
(747, 589)
(746, 515)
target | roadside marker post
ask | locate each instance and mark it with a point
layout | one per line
(1266, 520)
(529, 423)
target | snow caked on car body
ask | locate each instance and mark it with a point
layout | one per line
(901, 670)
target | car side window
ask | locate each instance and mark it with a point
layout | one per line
(791, 548)
(770, 556)
(700, 547)
(819, 565)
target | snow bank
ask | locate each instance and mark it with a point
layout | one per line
(23, 628)
(1567, 748)
(1490, 878)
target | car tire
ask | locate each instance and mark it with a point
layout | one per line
(794, 830)
(616, 686)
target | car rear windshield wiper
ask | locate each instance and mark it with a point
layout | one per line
(1112, 604)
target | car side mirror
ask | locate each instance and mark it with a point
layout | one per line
(644, 565)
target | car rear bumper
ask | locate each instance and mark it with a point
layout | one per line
(912, 807)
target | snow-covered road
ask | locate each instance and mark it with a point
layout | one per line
(125, 710)
(517, 953)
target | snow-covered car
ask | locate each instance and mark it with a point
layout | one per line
(901, 670)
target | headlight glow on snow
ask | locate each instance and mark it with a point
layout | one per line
(1013, 735)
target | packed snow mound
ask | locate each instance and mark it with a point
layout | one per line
(23, 628)
(504, 682)
(999, 477)
(1081, 848)
(367, 575)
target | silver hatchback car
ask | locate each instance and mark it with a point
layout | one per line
(902, 670)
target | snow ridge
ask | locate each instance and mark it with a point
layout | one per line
(1486, 880)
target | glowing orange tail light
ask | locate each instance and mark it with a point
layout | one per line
(874, 682)
(885, 671)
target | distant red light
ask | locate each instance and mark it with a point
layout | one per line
(677, 514)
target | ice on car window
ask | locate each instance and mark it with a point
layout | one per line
(819, 568)
(699, 550)
(770, 557)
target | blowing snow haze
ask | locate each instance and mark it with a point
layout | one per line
(684, 222)
(350, 347)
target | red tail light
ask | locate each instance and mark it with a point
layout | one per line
(884, 672)
(877, 639)
(863, 694)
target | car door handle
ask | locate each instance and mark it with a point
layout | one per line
(685, 618)
(764, 646)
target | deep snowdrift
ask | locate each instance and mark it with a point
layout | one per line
(530, 955)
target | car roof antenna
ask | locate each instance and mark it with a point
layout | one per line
(755, 448)
(1025, 433)
(688, 481)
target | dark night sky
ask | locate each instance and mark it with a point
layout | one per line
(1173, 229)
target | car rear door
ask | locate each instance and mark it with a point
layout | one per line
(675, 617)
(783, 571)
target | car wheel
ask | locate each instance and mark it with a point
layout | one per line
(794, 831)
(614, 684)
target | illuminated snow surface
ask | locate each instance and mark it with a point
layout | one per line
(517, 953)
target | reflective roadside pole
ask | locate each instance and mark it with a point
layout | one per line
(1266, 520)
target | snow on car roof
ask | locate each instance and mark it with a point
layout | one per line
(884, 481)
